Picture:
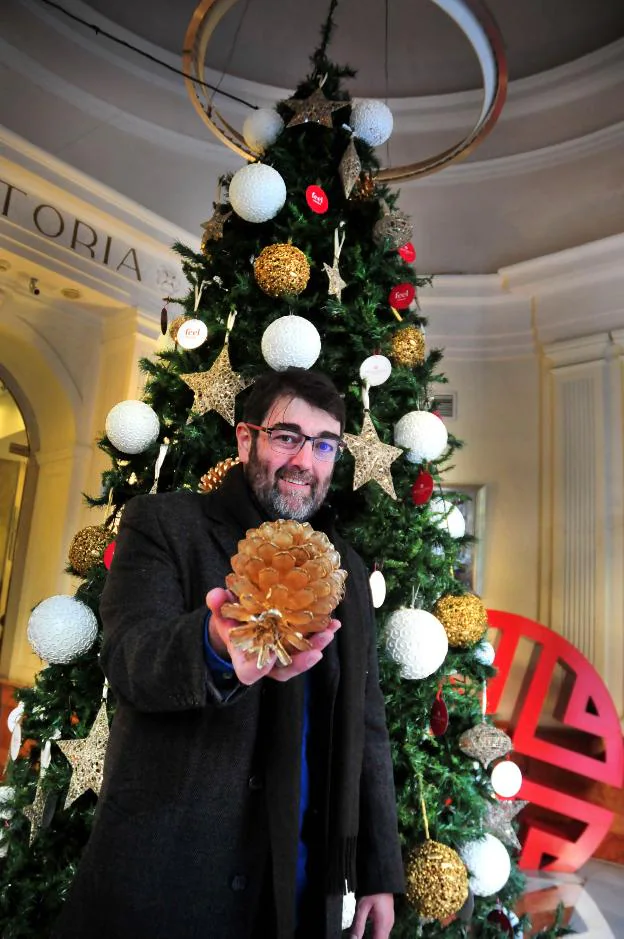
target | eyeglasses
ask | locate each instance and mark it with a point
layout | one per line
(282, 440)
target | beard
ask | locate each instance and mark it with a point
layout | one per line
(299, 506)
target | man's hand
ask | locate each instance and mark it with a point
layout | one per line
(244, 665)
(379, 908)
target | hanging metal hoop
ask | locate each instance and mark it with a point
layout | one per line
(473, 18)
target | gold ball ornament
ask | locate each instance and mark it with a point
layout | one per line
(464, 618)
(281, 270)
(408, 347)
(393, 229)
(87, 548)
(215, 476)
(287, 581)
(437, 880)
(175, 324)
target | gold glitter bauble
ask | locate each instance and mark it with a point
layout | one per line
(87, 548)
(288, 581)
(393, 229)
(437, 880)
(282, 270)
(408, 347)
(175, 326)
(215, 476)
(464, 618)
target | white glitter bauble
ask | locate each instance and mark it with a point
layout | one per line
(485, 653)
(488, 864)
(506, 779)
(416, 641)
(423, 435)
(61, 628)
(372, 121)
(291, 341)
(348, 909)
(132, 426)
(257, 192)
(262, 128)
(454, 523)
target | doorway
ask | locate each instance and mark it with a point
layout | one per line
(14, 452)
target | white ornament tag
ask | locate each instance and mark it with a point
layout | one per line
(375, 369)
(378, 588)
(192, 334)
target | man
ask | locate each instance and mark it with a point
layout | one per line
(238, 802)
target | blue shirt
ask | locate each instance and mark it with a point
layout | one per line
(222, 671)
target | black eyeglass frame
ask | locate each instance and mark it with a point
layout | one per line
(340, 444)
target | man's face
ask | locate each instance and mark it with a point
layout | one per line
(288, 485)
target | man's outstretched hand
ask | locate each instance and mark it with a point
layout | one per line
(244, 665)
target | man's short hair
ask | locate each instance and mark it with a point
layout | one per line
(315, 388)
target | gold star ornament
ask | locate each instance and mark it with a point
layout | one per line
(87, 758)
(316, 108)
(216, 389)
(372, 457)
(498, 817)
(336, 283)
(213, 228)
(35, 811)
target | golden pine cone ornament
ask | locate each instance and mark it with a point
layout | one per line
(464, 618)
(87, 548)
(175, 326)
(215, 476)
(365, 189)
(437, 880)
(408, 347)
(287, 581)
(281, 270)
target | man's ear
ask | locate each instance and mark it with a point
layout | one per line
(244, 441)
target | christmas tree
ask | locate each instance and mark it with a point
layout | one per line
(305, 261)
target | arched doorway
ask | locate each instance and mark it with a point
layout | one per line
(14, 453)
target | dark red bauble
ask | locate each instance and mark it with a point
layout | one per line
(422, 490)
(439, 717)
(499, 918)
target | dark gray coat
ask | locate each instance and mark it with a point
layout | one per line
(192, 816)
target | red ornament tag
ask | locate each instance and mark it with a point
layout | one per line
(499, 918)
(407, 252)
(107, 557)
(401, 296)
(422, 490)
(439, 716)
(317, 200)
